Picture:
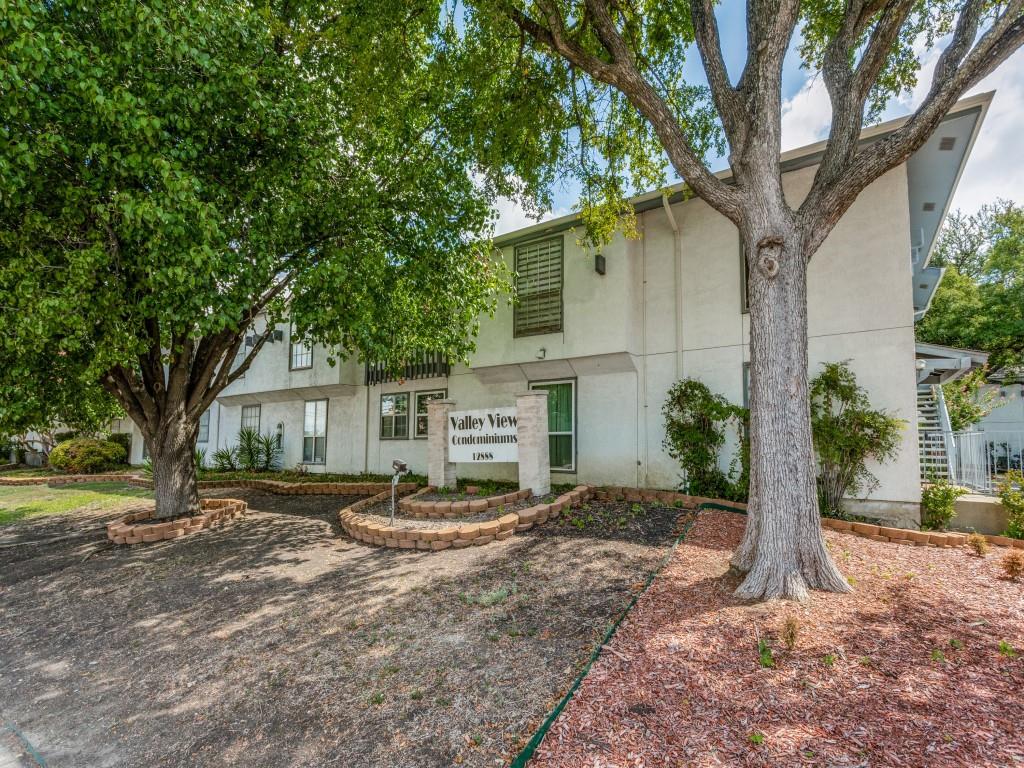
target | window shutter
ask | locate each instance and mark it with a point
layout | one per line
(539, 287)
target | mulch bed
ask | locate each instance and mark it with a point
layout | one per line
(381, 513)
(905, 671)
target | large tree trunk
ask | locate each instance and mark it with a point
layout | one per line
(782, 551)
(174, 469)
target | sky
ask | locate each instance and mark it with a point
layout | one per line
(994, 170)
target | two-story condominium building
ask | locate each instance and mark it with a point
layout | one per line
(607, 336)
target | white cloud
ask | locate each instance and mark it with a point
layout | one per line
(996, 166)
(512, 216)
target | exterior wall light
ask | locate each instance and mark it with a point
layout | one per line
(599, 263)
(542, 353)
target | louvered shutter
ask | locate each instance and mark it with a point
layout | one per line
(539, 287)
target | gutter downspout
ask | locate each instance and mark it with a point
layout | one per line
(677, 264)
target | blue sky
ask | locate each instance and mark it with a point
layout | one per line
(995, 168)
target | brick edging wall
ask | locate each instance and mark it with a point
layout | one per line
(442, 509)
(134, 528)
(911, 537)
(455, 537)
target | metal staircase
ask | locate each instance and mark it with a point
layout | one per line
(930, 436)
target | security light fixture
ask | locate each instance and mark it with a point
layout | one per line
(599, 263)
(542, 353)
(400, 468)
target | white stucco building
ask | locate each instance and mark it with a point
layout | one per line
(608, 342)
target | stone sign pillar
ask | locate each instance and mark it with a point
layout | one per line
(440, 471)
(532, 436)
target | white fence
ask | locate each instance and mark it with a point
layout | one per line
(981, 459)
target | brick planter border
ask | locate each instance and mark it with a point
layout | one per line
(435, 510)
(477, 534)
(912, 537)
(134, 528)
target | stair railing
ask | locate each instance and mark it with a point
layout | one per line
(946, 426)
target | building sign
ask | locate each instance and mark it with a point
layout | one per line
(488, 434)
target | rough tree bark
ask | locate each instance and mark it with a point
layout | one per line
(172, 450)
(782, 550)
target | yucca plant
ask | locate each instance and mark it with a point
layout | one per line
(270, 452)
(250, 450)
(225, 459)
(200, 457)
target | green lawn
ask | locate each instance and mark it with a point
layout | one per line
(35, 500)
(51, 472)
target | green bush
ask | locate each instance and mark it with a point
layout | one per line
(1011, 496)
(938, 504)
(84, 456)
(124, 439)
(848, 434)
(696, 420)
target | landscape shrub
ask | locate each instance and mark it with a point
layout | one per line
(696, 420)
(1011, 496)
(83, 456)
(938, 504)
(124, 439)
(1013, 565)
(978, 543)
(848, 434)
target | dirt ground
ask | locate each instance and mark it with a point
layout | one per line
(275, 641)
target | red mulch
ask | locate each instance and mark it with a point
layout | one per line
(683, 686)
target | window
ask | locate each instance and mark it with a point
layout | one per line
(251, 417)
(422, 398)
(301, 355)
(314, 432)
(538, 307)
(561, 423)
(394, 416)
(746, 385)
(204, 428)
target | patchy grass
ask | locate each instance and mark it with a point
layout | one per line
(51, 472)
(20, 503)
(290, 476)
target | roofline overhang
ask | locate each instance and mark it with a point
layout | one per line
(790, 160)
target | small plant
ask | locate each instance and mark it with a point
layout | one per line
(978, 543)
(756, 738)
(938, 504)
(829, 659)
(200, 458)
(764, 652)
(678, 503)
(955, 644)
(225, 459)
(791, 632)
(1007, 650)
(1011, 496)
(377, 699)
(938, 655)
(1013, 565)
(416, 695)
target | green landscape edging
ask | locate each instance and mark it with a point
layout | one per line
(524, 756)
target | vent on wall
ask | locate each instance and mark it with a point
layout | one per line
(946, 143)
(928, 206)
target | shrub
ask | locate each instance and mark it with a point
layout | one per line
(966, 402)
(978, 543)
(938, 504)
(848, 434)
(696, 420)
(1011, 496)
(85, 456)
(256, 452)
(124, 439)
(225, 459)
(791, 632)
(1013, 565)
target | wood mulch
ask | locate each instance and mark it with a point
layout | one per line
(922, 664)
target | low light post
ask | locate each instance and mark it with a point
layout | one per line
(401, 468)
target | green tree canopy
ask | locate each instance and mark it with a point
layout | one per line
(980, 302)
(171, 171)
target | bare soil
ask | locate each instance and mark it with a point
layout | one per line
(276, 641)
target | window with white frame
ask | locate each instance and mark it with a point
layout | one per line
(538, 307)
(204, 428)
(251, 417)
(314, 432)
(561, 423)
(422, 399)
(394, 416)
(300, 353)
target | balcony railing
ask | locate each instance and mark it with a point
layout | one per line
(429, 365)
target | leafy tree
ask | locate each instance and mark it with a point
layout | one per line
(980, 301)
(848, 433)
(176, 175)
(966, 401)
(605, 86)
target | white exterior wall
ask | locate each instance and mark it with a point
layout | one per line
(619, 344)
(1008, 409)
